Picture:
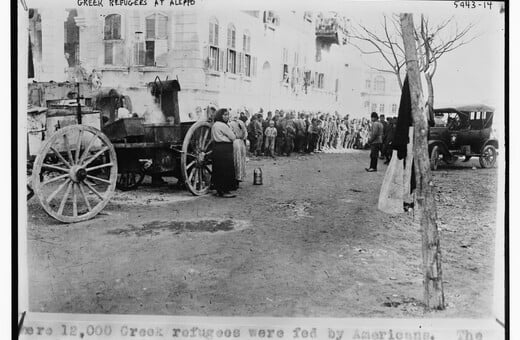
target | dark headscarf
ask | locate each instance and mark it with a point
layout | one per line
(219, 115)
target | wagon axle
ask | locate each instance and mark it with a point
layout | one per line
(77, 173)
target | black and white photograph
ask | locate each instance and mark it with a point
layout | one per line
(205, 158)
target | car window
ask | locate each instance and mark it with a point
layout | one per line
(441, 119)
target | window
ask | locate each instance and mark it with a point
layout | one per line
(247, 65)
(113, 27)
(71, 46)
(231, 49)
(156, 41)
(321, 77)
(246, 42)
(114, 53)
(246, 56)
(285, 65)
(374, 107)
(367, 84)
(394, 108)
(367, 104)
(382, 108)
(232, 60)
(213, 32)
(379, 84)
(215, 57)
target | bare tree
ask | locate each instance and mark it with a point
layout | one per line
(432, 42)
(431, 253)
(386, 45)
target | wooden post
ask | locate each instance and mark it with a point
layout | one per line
(431, 254)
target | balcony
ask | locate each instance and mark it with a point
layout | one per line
(329, 31)
(271, 20)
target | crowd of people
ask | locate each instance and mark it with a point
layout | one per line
(283, 133)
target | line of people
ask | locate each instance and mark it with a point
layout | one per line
(286, 132)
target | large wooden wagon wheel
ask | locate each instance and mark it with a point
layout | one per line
(196, 158)
(74, 175)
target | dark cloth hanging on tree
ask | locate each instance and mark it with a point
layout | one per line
(404, 121)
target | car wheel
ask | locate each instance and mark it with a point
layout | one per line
(488, 157)
(434, 158)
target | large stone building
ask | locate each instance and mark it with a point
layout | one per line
(380, 93)
(252, 59)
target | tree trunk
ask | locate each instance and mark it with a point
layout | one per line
(429, 84)
(431, 254)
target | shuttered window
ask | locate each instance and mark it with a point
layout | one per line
(112, 27)
(156, 46)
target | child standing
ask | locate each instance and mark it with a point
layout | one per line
(270, 137)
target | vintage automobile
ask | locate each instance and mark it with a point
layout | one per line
(463, 131)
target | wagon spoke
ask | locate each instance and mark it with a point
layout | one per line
(89, 185)
(78, 146)
(99, 167)
(67, 146)
(207, 145)
(60, 157)
(201, 179)
(50, 166)
(60, 188)
(74, 201)
(201, 176)
(54, 179)
(208, 169)
(64, 199)
(87, 149)
(99, 153)
(204, 140)
(191, 174)
(84, 197)
(98, 179)
(190, 165)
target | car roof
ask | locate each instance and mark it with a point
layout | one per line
(467, 108)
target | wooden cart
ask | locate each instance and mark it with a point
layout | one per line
(75, 167)
(169, 148)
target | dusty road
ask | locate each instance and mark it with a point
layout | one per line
(309, 242)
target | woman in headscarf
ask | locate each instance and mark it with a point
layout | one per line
(223, 177)
(239, 146)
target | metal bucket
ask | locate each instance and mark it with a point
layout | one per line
(257, 177)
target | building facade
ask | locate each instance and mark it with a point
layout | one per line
(238, 59)
(380, 93)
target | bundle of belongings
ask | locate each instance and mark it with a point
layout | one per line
(399, 182)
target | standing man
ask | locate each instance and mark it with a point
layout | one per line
(375, 140)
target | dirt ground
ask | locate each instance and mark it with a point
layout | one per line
(308, 242)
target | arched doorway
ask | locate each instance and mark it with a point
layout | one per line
(266, 87)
